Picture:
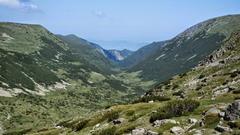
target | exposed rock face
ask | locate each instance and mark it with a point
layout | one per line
(233, 111)
(177, 130)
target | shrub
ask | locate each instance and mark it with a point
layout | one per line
(236, 91)
(107, 131)
(201, 76)
(178, 93)
(211, 121)
(175, 108)
(80, 125)
(126, 128)
(130, 112)
(233, 75)
(112, 116)
(18, 132)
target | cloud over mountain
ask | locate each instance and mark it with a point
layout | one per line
(25, 5)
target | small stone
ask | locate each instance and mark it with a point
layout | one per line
(158, 123)
(149, 132)
(139, 131)
(151, 102)
(222, 114)
(118, 121)
(177, 130)
(192, 120)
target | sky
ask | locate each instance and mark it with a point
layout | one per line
(116, 24)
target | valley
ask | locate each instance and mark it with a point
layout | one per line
(55, 84)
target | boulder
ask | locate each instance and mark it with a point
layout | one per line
(177, 130)
(221, 114)
(213, 111)
(139, 131)
(149, 132)
(158, 123)
(118, 121)
(236, 105)
(221, 128)
(151, 101)
(192, 120)
(233, 111)
(196, 132)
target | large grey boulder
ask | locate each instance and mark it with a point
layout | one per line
(192, 120)
(177, 130)
(139, 131)
(221, 128)
(159, 123)
(142, 131)
(213, 111)
(233, 111)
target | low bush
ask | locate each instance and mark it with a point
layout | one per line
(178, 93)
(112, 116)
(17, 132)
(175, 108)
(201, 76)
(107, 131)
(236, 91)
(211, 121)
(126, 129)
(80, 125)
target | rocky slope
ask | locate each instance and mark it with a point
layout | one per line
(201, 101)
(116, 55)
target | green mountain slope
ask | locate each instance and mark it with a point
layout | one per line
(91, 52)
(185, 51)
(141, 54)
(200, 101)
(44, 79)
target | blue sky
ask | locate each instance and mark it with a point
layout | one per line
(116, 24)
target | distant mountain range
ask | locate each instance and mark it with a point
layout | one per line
(112, 55)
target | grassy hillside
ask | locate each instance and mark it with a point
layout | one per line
(140, 55)
(44, 79)
(192, 102)
(185, 51)
(88, 51)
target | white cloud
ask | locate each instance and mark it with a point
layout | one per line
(99, 14)
(10, 3)
(25, 5)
